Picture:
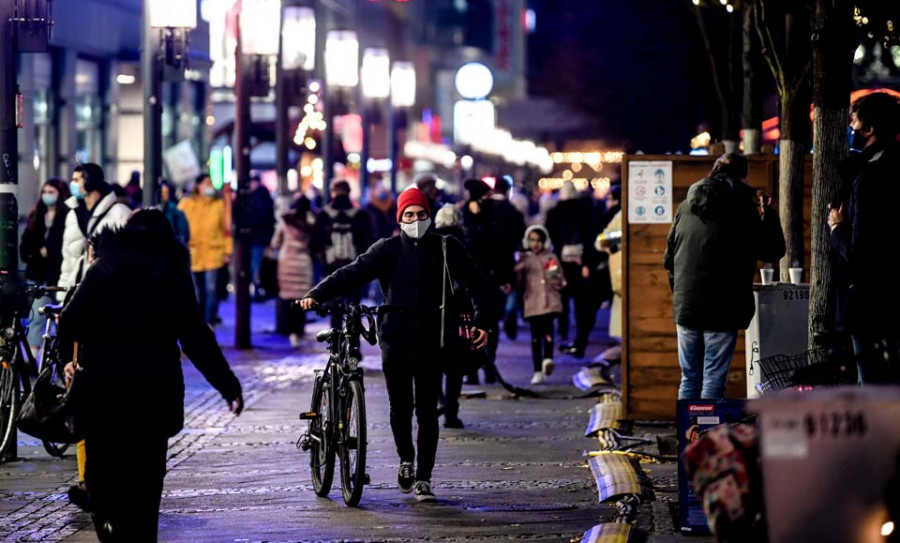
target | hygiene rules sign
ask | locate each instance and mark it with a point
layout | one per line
(649, 192)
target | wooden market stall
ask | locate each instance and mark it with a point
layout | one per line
(650, 371)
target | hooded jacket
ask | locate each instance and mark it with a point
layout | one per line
(713, 247)
(129, 339)
(409, 272)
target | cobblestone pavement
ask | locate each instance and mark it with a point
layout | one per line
(517, 471)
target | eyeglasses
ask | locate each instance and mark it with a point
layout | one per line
(409, 216)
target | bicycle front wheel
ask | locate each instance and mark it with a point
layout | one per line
(321, 451)
(353, 448)
(9, 402)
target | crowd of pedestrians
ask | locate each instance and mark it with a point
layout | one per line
(89, 233)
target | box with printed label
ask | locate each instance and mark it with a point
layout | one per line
(693, 418)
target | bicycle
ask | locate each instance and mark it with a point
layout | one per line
(18, 365)
(337, 414)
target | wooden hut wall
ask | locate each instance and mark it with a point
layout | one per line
(650, 373)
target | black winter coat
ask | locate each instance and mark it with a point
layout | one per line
(865, 242)
(129, 338)
(39, 268)
(361, 228)
(571, 222)
(261, 217)
(410, 272)
(714, 244)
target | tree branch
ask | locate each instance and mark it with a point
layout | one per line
(769, 49)
(717, 82)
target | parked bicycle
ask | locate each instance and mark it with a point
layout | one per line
(18, 365)
(337, 414)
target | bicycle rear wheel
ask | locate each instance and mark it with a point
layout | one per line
(353, 448)
(321, 451)
(9, 402)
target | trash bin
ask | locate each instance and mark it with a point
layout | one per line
(779, 327)
(829, 460)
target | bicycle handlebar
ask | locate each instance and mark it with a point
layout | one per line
(368, 331)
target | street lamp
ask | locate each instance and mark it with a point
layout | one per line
(259, 32)
(298, 38)
(165, 36)
(295, 61)
(375, 79)
(403, 97)
(341, 75)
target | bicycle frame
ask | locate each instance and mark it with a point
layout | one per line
(344, 349)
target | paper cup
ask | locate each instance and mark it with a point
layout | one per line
(766, 275)
(796, 275)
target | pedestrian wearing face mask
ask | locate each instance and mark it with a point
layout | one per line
(410, 269)
(863, 231)
(41, 247)
(95, 208)
(210, 242)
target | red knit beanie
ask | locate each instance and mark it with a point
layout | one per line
(411, 197)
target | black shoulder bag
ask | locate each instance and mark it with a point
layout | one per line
(48, 412)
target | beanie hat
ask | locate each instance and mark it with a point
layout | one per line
(542, 230)
(411, 197)
(477, 188)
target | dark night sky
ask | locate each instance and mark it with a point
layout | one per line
(635, 66)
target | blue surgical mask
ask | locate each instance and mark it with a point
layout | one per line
(76, 191)
(209, 191)
(856, 140)
(49, 199)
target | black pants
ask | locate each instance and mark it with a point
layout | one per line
(452, 388)
(877, 358)
(414, 385)
(124, 476)
(541, 338)
(296, 319)
(578, 289)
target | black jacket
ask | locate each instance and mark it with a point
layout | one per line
(714, 244)
(410, 272)
(571, 222)
(492, 237)
(361, 228)
(129, 338)
(261, 217)
(865, 241)
(39, 268)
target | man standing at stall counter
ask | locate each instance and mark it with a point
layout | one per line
(410, 268)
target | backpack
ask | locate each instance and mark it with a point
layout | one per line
(342, 249)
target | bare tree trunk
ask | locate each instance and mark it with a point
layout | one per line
(752, 110)
(833, 41)
(790, 202)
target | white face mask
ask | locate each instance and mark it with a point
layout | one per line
(416, 229)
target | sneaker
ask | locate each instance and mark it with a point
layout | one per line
(295, 340)
(547, 366)
(454, 423)
(78, 496)
(406, 477)
(538, 378)
(424, 493)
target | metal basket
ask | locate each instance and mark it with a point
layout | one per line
(824, 366)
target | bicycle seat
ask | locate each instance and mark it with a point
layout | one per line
(51, 310)
(325, 335)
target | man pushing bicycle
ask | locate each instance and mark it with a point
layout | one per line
(419, 272)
